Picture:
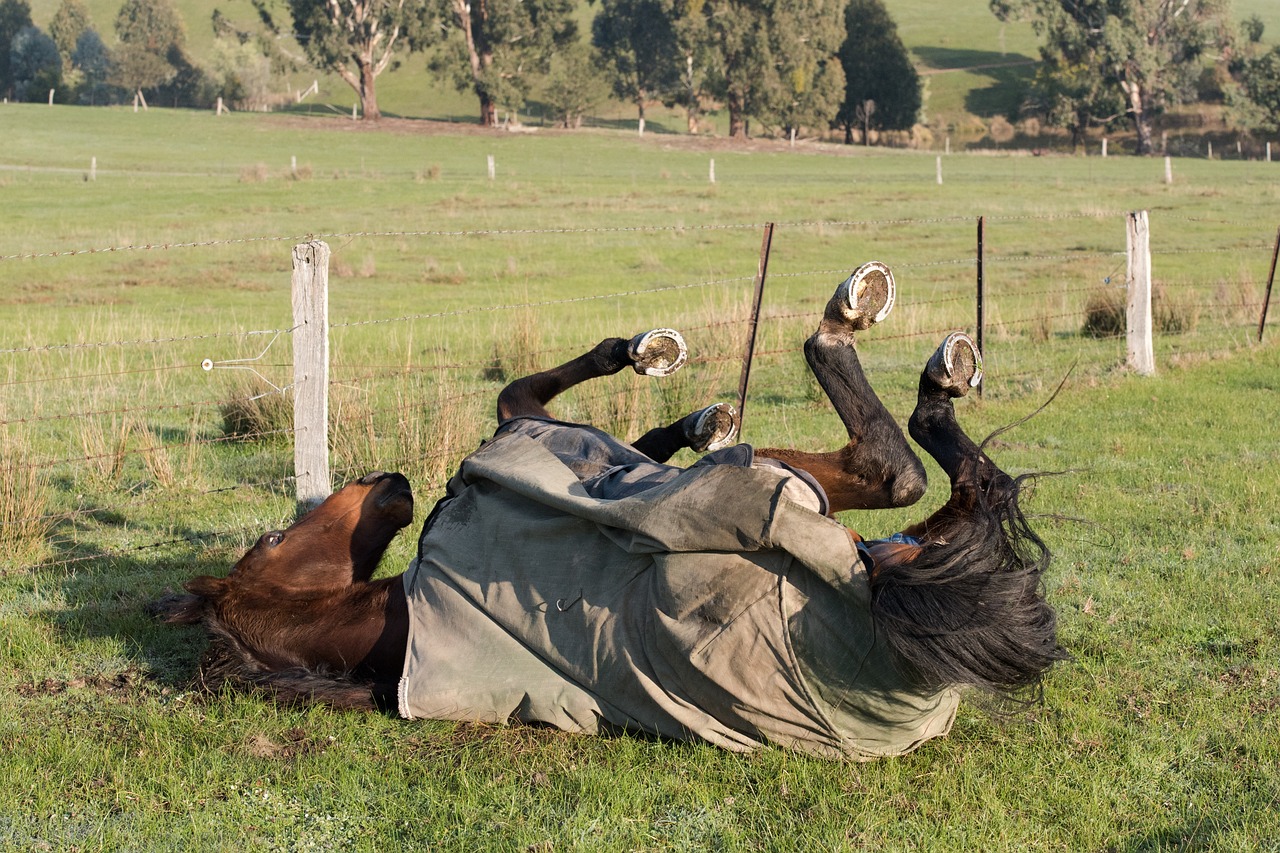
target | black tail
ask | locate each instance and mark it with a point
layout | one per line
(970, 609)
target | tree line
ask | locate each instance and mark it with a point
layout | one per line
(784, 65)
(775, 66)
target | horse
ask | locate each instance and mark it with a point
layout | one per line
(571, 579)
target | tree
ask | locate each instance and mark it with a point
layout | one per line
(696, 60)
(35, 64)
(574, 85)
(882, 88)
(14, 16)
(1149, 51)
(638, 40)
(809, 83)
(772, 59)
(496, 48)
(1261, 80)
(358, 39)
(93, 62)
(737, 33)
(69, 22)
(152, 45)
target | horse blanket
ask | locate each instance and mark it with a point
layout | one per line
(567, 579)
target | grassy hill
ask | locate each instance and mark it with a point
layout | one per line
(974, 66)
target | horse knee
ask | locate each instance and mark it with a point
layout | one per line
(909, 485)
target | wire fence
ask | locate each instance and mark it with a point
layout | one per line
(147, 436)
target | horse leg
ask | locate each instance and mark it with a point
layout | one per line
(953, 369)
(876, 469)
(705, 430)
(659, 352)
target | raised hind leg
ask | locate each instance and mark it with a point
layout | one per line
(656, 353)
(953, 369)
(876, 469)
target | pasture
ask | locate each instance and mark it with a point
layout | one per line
(122, 478)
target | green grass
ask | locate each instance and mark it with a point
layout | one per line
(1164, 732)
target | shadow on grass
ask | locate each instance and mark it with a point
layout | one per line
(1010, 75)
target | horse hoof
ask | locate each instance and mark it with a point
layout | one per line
(868, 295)
(711, 428)
(658, 352)
(956, 366)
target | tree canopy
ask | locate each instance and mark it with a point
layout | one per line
(35, 64)
(1144, 54)
(152, 45)
(14, 16)
(637, 38)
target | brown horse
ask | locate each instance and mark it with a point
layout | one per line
(956, 600)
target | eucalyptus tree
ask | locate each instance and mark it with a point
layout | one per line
(499, 49)
(772, 59)
(638, 41)
(360, 39)
(152, 48)
(1146, 54)
(882, 87)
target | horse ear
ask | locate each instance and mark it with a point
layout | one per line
(178, 609)
(206, 586)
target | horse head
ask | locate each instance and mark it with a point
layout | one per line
(272, 606)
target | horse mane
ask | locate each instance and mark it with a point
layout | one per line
(970, 609)
(229, 663)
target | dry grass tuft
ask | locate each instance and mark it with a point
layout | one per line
(24, 506)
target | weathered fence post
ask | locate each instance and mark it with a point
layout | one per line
(762, 271)
(711, 171)
(1141, 357)
(311, 372)
(982, 292)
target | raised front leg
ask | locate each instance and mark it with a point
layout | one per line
(659, 352)
(953, 369)
(876, 469)
(705, 430)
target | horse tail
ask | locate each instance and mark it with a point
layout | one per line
(969, 608)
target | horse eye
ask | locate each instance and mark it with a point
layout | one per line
(273, 538)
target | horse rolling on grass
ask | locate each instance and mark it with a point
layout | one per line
(570, 579)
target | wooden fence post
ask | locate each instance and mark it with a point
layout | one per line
(311, 373)
(1141, 357)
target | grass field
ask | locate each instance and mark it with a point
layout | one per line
(1162, 733)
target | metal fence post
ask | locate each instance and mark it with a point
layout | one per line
(311, 373)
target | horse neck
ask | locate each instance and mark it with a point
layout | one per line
(361, 631)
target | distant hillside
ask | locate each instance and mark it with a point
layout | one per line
(974, 67)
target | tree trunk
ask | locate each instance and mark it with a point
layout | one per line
(737, 115)
(368, 94)
(1141, 124)
(488, 111)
